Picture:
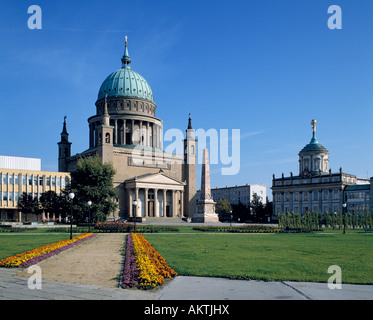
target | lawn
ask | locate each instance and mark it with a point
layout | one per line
(12, 244)
(281, 257)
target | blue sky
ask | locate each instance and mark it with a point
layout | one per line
(264, 67)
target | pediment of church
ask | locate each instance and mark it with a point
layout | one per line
(154, 180)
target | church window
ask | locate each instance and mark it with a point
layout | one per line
(192, 150)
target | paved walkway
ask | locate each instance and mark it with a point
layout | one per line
(13, 287)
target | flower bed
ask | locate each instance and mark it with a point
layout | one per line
(31, 257)
(243, 229)
(130, 271)
(144, 266)
(113, 226)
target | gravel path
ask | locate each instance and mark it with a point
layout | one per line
(97, 261)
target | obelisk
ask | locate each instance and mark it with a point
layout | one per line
(205, 204)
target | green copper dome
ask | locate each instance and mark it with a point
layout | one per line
(126, 83)
(314, 145)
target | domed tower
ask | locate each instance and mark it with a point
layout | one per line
(125, 112)
(314, 157)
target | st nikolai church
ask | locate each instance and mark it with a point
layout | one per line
(125, 132)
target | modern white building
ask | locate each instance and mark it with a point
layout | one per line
(240, 194)
(23, 175)
(20, 163)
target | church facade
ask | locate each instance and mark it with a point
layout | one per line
(125, 132)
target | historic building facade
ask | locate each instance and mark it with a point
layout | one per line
(316, 187)
(125, 132)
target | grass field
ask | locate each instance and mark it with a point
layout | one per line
(12, 244)
(274, 256)
(297, 257)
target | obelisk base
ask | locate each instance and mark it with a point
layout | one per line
(205, 212)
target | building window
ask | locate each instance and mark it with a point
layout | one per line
(11, 179)
(30, 180)
(315, 195)
(40, 181)
(35, 181)
(16, 196)
(53, 181)
(58, 182)
(16, 179)
(5, 179)
(48, 181)
(24, 180)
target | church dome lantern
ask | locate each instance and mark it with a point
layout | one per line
(126, 83)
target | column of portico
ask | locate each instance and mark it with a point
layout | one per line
(164, 202)
(130, 213)
(156, 209)
(146, 201)
(137, 201)
(173, 204)
(181, 203)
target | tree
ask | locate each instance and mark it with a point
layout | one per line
(257, 208)
(27, 204)
(54, 204)
(223, 208)
(92, 180)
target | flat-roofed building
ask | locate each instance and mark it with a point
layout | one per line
(240, 194)
(14, 182)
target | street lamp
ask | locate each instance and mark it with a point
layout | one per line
(71, 196)
(231, 216)
(135, 205)
(344, 217)
(89, 215)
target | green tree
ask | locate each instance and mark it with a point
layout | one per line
(257, 207)
(92, 180)
(54, 204)
(27, 204)
(223, 208)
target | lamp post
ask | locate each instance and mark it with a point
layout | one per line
(71, 196)
(344, 205)
(89, 215)
(231, 216)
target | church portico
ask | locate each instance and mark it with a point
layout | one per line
(155, 195)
